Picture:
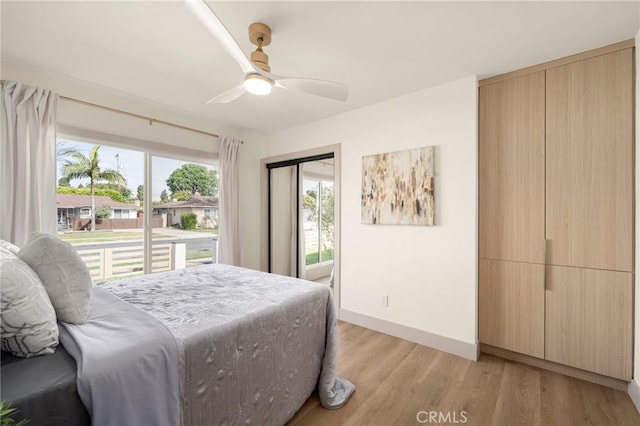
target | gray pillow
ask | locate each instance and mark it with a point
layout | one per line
(63, 273)
(27, 319)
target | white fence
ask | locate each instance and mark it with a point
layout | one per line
(127, 261)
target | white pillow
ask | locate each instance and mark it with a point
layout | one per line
(12, 248)
(63, 273)
(27, 319)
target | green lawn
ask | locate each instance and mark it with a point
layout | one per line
(198, 254)
(205, 230)
(101, 237)
(313, 257)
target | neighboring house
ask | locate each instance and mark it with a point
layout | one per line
(75, 209)
(204, 207)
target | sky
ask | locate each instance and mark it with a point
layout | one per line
(130, 164)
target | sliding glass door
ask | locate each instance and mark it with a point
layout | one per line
(185, 206)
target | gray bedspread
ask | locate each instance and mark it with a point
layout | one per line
(127, 364)
(252, 346)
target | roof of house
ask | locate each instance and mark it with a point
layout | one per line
(70, 201)
(193, 201)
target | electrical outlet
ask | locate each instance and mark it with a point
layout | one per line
(384, 300)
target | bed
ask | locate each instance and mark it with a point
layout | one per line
(213, 344)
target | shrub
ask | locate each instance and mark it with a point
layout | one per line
(103, 212)
(188, 221)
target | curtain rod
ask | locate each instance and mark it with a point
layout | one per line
(131, 114)
(142, 117)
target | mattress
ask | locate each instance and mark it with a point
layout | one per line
(43, 389)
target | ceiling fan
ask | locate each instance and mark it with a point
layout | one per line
(258, 78)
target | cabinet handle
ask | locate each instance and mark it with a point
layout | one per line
(547, 244)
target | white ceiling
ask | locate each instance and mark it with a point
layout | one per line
(158, 51)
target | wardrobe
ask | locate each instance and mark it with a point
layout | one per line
(556, 173)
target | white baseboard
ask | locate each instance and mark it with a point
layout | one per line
(633, 389)
(425, 338)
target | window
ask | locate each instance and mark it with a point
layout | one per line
(125, 244)
(207, 213)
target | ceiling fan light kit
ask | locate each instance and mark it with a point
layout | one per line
(258, 79)
(257, 84)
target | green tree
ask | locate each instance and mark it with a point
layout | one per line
(181, 195)
(164, 197)
(310, 203)
(140, 191)
(81, 166)
(327, 206)
(64, 182)
(193, 178)
(126, 192)
(63, 150)
(114, 195)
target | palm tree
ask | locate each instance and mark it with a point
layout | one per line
(79, 166)
(63, 150)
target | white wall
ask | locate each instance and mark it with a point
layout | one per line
(429, 273)
(634, 386)
(156, 138)
(250, 191)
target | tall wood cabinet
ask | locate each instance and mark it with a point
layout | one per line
(556, 211)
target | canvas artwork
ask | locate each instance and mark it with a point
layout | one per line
(397, 188)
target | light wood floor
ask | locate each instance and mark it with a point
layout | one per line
(395, 379)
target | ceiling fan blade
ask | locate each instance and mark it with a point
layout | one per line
(323, 88)
(211, 22)
(228, 96)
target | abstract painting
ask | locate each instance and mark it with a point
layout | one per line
(397, 188)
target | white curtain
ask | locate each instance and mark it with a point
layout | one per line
(27, 162)
(229, 232)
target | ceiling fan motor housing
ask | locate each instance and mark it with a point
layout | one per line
(261, 60)
(260, 35)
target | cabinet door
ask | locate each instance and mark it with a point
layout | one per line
(511, 169)
(512, 306)
(588, 319)
(590, 163)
